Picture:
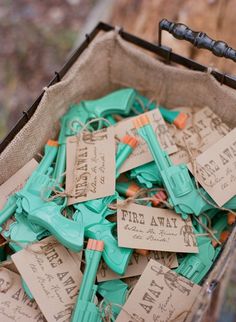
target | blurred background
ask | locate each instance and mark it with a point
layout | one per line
(38, 36)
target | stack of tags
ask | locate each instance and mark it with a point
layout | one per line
(123, 217)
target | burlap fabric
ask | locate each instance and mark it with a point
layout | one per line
(107, 64)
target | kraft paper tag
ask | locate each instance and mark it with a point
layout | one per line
(216, 169)
(141, 153)
(160, 295)
(90, 170)
(137, 265)
(53, 277)
(203, 129)
(16, 182)
(143, 227)
(14, 302)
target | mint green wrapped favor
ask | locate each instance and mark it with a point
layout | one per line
(85, 309)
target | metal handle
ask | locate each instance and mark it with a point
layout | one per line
(198, 39)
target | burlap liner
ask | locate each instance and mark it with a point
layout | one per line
(107, 64)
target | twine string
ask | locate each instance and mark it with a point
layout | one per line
(107, 314)
(145, 108)
(140, 196)
(97, 119)
(193, 162)
(169, 260)
(208, 220)
(72, 123)
(107, 310)
(63, 193)
(210, 232)
(194, 165)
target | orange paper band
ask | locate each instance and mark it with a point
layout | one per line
(231, 218)
(161, 195)
(141, 121)
(132, 190)
(143, 252)
(94, 244)
(214, 243)
(224, 236)
(52, 143)
(181, 120)
(130, 140)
